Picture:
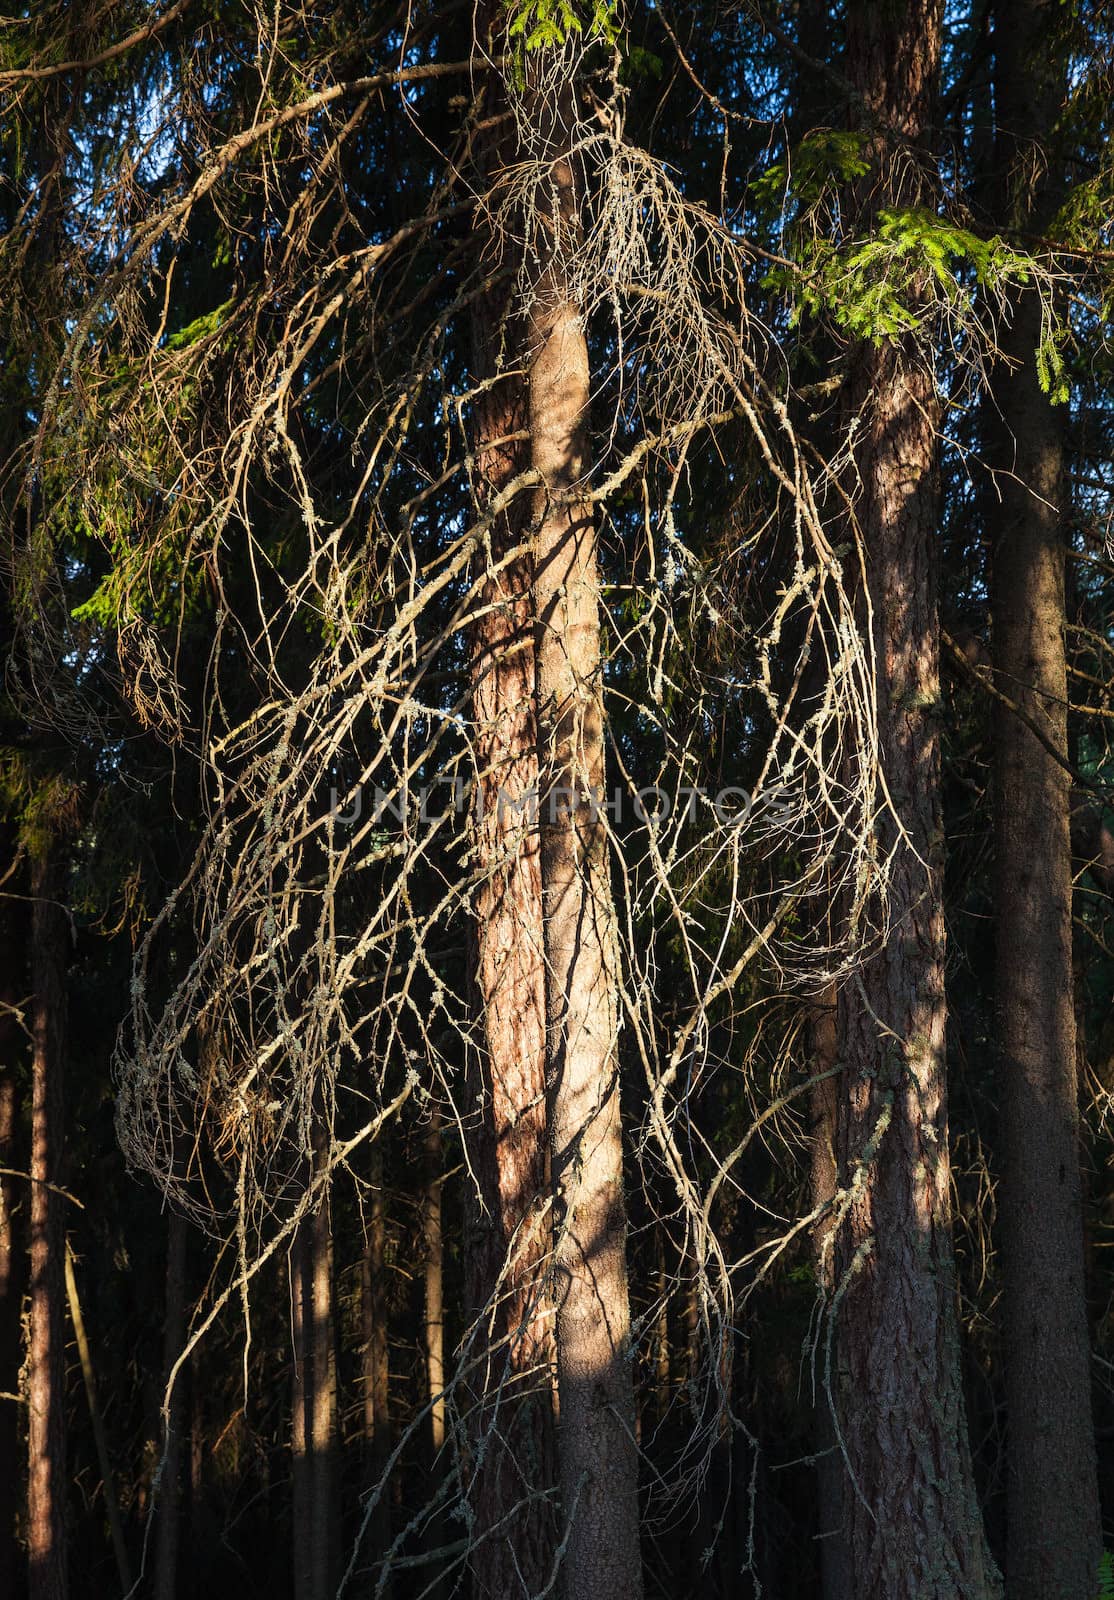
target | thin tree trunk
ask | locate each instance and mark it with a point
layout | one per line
(9, 1325)
(376, 1354)
(434, 1283)
(13, 990)
(321, 1410)
(835, 1565)
(662, 1362)
(174, 1338)
(433, 1253)
(914, 1527)
(316, 1533)
(301, 1319)
(597, 1452)
(816, 34)
(509, 1225)
(1054, 1532)
(46, 1444)
(692, 1342)
(198, 1511)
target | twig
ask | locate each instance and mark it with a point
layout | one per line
(992, 689)
(119, 1547)
(12, 1172)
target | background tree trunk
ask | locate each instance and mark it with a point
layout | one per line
(174, 1338)
(100, 1437)
(434, 1273)
(301, 1401)
(913, 1520)
(597, 1451)
(46, 1442)
(321, 1410)
(1053, 1511)
(198, 1511)
(376, 1353)
(835, 1565)
(817, 35)
(433, 1251)
(13, 991)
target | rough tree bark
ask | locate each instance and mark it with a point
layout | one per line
(509, 1235)
(913, 1522)
(46, 1365)
(1054, 1534)
(596, 1443)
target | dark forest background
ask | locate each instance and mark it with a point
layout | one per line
(843, 278)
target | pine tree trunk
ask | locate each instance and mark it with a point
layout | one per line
(198, 1511)
(46, 1471)
(321, 1409)
(13, 990)
(174, 1338)
(835, 1566)
(434, 1270)
(315, 1477)
(662, 1362)
(301, 1399)
(597, 1452)
(1054, 1537)
(9, 1324)
(914, 1527)
(376, 1354)
(509, 1228)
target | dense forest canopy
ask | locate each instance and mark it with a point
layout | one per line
(555, 841)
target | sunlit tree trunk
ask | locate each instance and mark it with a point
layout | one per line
(46, 1441)
(433, 1314)
(316, 1532)
(13, 991)
(1053, 1507)
(913, 1521)
(434, 1272)
(597, 1452)
(321, 1408)
(509, 1234)
(9, 1317)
